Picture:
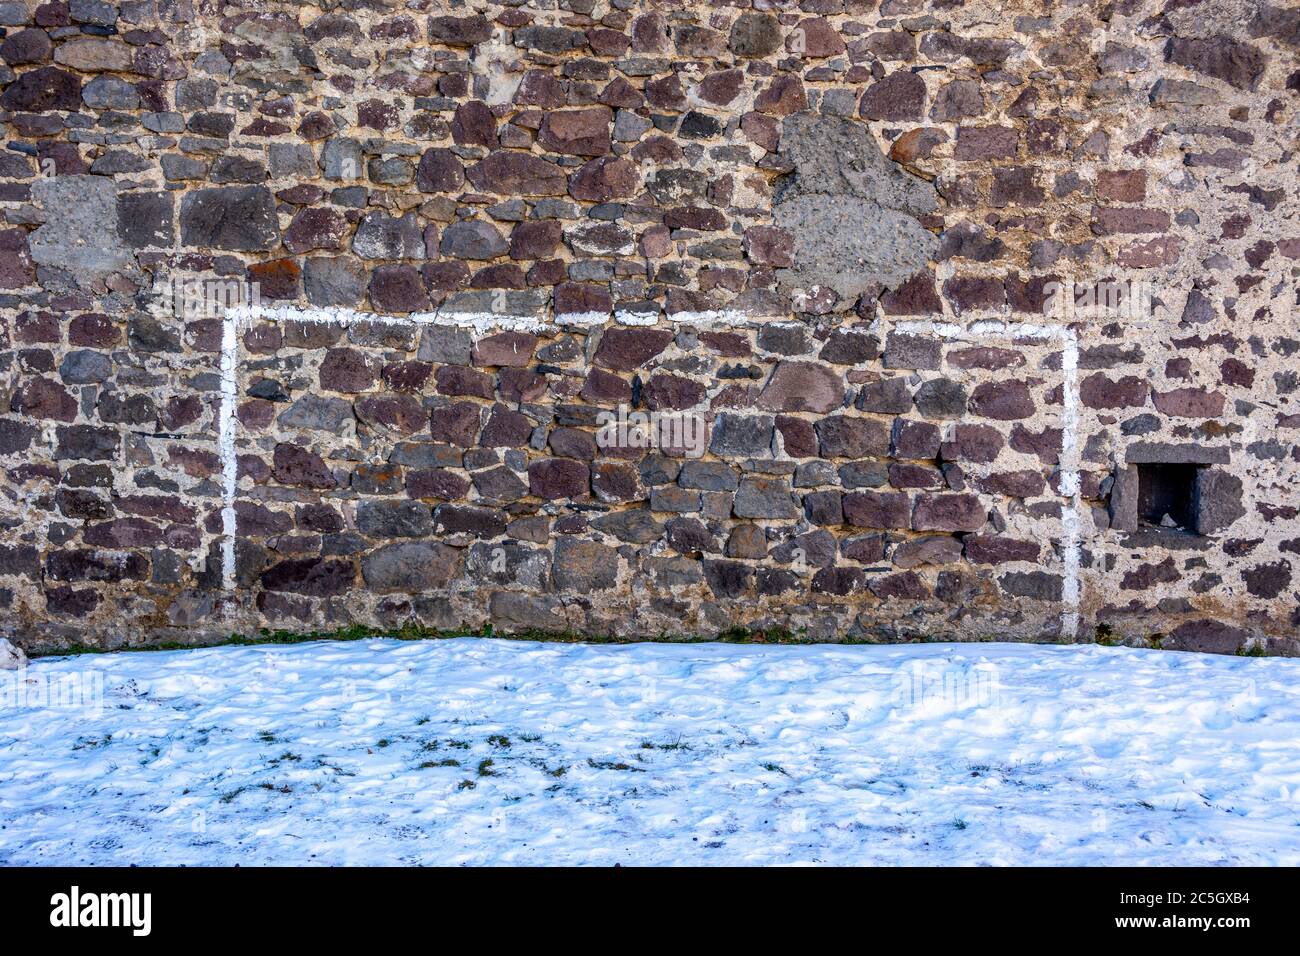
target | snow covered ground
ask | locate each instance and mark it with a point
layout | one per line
(475, 751)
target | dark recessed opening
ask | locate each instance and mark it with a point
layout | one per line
(1167, 496)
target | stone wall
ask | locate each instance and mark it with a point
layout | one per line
(857, 243)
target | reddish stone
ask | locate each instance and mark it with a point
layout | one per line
(619, 93)
(517, 174)
(460, 31)
(948, 512)
(814, 37)
(985, 357)
(656, 242)
(445, 276)
(406, 376)
(436, 483)
(456, 424)
(906, 585)
(761, 130)
(46, 399)
(255, 413)
(26, 46)
(316, 577)
(626, 349)
(95, 330)
(402, 414)
(616, 481)
(505, 348)
(975, 293)
(397, 288)
(1236, 372)
(192, 461)
(916, 144)
(899, 96)
(769, 246)
(1004, 401)
(695, 217)
(377, 115)
(931, 550)
(783, 96)
(474, 125)
(316, 229)
(458, 380)
(915, 440)
(602, 386)
(673, 392)
(802, 387)
(1098, 391)
(180, 411)
(1234, 61)
(986, 142)
(295, 465)
(1189, 403)
(580, 298)
(31, 328)
(439, 171)
(1208, 636)
(720, 89)
(1015, 186)
(504, 275)
(1045, 444)
(123, 533)
(43, 90)
(915, 476)
(539, 88)
(1122, 185)
(876, 509)
(582, 132)
(554, 479)
(1014, 484)
(347, 370)
(1109, 220)
(70, 601)
(506, 429)
(605, 179)
(916, 296)
(16, 267)
(993, 549)
(277, 279)
(842, 436)
(606, 42)
(535, 238)
(650, 33)
(798, 437)
(547, 272)
(572, 443)
(666, 93)
(263, 338)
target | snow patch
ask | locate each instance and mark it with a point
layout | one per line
(477, 751)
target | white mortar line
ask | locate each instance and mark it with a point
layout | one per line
(1071, 483)
(226, 444)
(482, 321)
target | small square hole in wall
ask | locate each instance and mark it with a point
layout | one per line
(1167, 496)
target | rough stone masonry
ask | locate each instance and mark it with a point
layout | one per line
(860, 240)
